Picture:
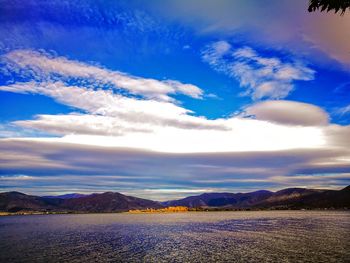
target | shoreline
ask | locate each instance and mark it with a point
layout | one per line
(29, 213)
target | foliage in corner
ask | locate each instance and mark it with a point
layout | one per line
(329, 5)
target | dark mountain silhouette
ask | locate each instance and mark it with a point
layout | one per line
(291, 198)
(329, 198)
(106, 202)
(241, 200)
(15, 201)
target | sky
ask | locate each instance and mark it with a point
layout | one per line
(166, 99)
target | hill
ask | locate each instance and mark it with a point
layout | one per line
(16, 201)
(239, 200)
(105, 202)
(108, 202)
(290, 198)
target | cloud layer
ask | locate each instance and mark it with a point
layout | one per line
(55, 166)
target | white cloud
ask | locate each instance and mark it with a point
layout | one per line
(154, 125)
(109, 113)
(116, 120)
(242, 136)
(262, 77)
(288, 112)
(43, 66)
(80, 124)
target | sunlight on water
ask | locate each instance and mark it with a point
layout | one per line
(270, 236)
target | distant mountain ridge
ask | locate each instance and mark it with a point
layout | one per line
(105, 202)
(220, 199)
(291, 198)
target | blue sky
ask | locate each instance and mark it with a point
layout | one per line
(163, 99)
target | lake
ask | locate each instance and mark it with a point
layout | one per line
(247, 236)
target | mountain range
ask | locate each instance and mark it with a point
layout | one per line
(291, 198)
(105, 202)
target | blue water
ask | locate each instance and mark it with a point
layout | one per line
(269, 236)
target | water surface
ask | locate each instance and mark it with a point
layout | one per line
(269, 236)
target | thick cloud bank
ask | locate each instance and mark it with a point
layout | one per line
(288, 112)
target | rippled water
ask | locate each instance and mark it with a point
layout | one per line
(286, 236)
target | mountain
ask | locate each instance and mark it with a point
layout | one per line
(105, 202)
(290, 198)
(329, 198)
(66, 196)
(15, 201)
(239, 200)
(108, 202)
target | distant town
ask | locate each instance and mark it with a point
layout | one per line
(170, 209)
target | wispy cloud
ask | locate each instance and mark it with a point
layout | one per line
(42, 66)
(343, 110)
(261, 76)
